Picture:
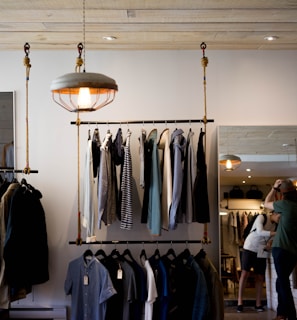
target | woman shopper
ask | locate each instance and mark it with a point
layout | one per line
(284, 246)
(261, 233)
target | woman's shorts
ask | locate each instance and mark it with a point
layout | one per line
(250, 260)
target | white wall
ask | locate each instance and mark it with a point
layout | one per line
(243, 88)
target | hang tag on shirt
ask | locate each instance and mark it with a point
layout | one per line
(120, 274)
(86, 280)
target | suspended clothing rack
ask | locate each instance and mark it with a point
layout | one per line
(9, 170)
(138, 242)
(142, 121)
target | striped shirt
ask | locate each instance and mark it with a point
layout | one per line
(126, 188)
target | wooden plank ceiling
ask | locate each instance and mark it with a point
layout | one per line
(149, 24)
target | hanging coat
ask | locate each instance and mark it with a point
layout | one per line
(26, 238)
(200, 192)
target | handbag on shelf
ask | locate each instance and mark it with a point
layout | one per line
(254, 193)
(236, 193)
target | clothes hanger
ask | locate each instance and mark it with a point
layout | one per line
(115, 254)
(128, 253)
(96, 136)
(170, 252)
(100, 252)
(185, 254)
(26, 185)
(143, 254)
(157, 254)
(88, 254)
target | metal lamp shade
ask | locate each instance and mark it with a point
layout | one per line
(230, 162)
(65, 90)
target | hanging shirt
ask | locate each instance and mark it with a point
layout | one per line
(129, 290)
(142, 139)
(165, 163)
(201, 302)
(148, 149)
(117, 158)
(118, 153)
(178, 144)
(188, 182)
(200, 192)
(96, 151)
(106, 185)
(152, 291)
(161, 277)
(90, 287)
(89, 195)
(154, 202)
(126, 188)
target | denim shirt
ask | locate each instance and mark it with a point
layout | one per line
(90, 287)
(178, 145)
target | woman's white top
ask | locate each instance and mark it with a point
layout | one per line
(259, 234)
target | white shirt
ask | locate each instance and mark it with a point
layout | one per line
(152, 293)
(261, 234)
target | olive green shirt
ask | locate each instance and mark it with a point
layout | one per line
(286, 235)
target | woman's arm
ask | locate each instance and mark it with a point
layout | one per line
(259, 225)
(270, 198)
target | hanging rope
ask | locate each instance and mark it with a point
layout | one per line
(78, 239)
(28, 66)
(204, 63)
(81, 46)
(79, 60)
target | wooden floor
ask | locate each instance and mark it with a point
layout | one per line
(249, 312)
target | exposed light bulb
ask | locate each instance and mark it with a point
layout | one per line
(84, 98)
(228, 165)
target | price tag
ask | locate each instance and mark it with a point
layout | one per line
(86, 280)
(120, 274)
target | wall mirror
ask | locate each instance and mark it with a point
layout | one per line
(266, 153)
(7, 133)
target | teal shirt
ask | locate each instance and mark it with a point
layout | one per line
(286, 235)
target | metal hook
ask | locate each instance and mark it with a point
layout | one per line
(27, 49)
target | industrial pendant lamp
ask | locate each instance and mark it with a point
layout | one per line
(230, 162)
(83, 91)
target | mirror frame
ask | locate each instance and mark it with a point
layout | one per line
(10, 101)
(280, 155)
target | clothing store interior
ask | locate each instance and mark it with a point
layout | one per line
(128, 199)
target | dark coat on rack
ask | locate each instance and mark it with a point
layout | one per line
(25, 248)
(214, 286)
